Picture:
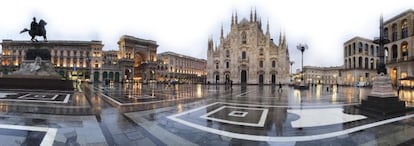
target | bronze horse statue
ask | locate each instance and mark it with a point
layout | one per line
(37, 30)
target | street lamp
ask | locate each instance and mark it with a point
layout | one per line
(302, 48)
(291, 74)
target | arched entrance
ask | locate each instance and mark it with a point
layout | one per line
(111, 76)
(117, 77)
(261, 79)
(273, 79)
(104, 76)
(96, 76)
(62, 73)
(127, 75)
(243, 77)
(393, 75)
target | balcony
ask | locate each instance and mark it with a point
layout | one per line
(246, 60)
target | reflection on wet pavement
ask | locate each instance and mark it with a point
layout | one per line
(187, 114)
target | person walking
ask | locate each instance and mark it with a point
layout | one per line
(280, 87)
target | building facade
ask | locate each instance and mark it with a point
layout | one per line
(360, 61)
(137, 59)
(321, 75)
(399, 52)
(72, 59)
(110, 71)
(182, 68)
(248, 55)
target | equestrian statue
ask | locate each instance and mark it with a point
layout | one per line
(36, 29)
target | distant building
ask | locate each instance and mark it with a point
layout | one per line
(400, 51)
(110, 70)
(321, 75)
(248, 55)
(360, 61)
(137, 59)
(182, 68)
(72, 59)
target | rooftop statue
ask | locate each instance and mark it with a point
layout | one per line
(36, 29)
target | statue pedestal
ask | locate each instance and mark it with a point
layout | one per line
(382, 99)
(301, 86)
(35, 73)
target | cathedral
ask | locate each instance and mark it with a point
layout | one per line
(248, 55)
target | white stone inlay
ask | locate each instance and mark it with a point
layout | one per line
(259, 123)
(3, 95)
(277, 138)
(47, 140)
(238, 114)
(321, 117)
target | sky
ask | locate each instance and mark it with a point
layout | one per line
(184, 26)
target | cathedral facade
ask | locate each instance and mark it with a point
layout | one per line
(248, 55)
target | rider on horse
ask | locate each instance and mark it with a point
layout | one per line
(36, 29)
(34, 25)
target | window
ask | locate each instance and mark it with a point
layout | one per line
(366, 49)
(353, 48)
(261, 52)
(359, 47)
(227, 53)
(346, 63)
(366, 63)
(394, 52)
(372, 63)
(243, 55)
(227, 65)
(394, 32)
(260, 63)
(372, 50)
(386, 33)
(273, 64)
(404, 51)
(353, 61)
(217, 65)
(244, 38)
(404, 29)
(345, 52)
(349, 50)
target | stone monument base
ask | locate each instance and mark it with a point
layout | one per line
(301, 86)
(382, 99)
(36, 83)
(36, 74)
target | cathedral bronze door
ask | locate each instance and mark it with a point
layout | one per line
(260, 79)
(273, 79)
(243, 77)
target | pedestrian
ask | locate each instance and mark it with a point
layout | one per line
(280, 87)
(398, 90)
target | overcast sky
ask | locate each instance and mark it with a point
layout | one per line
(183, 26)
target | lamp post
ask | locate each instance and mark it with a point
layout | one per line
(302, 48)
(88, 61)
(291, 74)
(382, 98)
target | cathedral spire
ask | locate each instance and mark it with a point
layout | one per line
(221, 32)
(235, 19)
(232, 18)
(284, 38)
(280, 37)
(251, 15)
(255, 15)
(210, 43)
(267, 27)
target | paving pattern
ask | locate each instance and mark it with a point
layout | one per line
(134, 114)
